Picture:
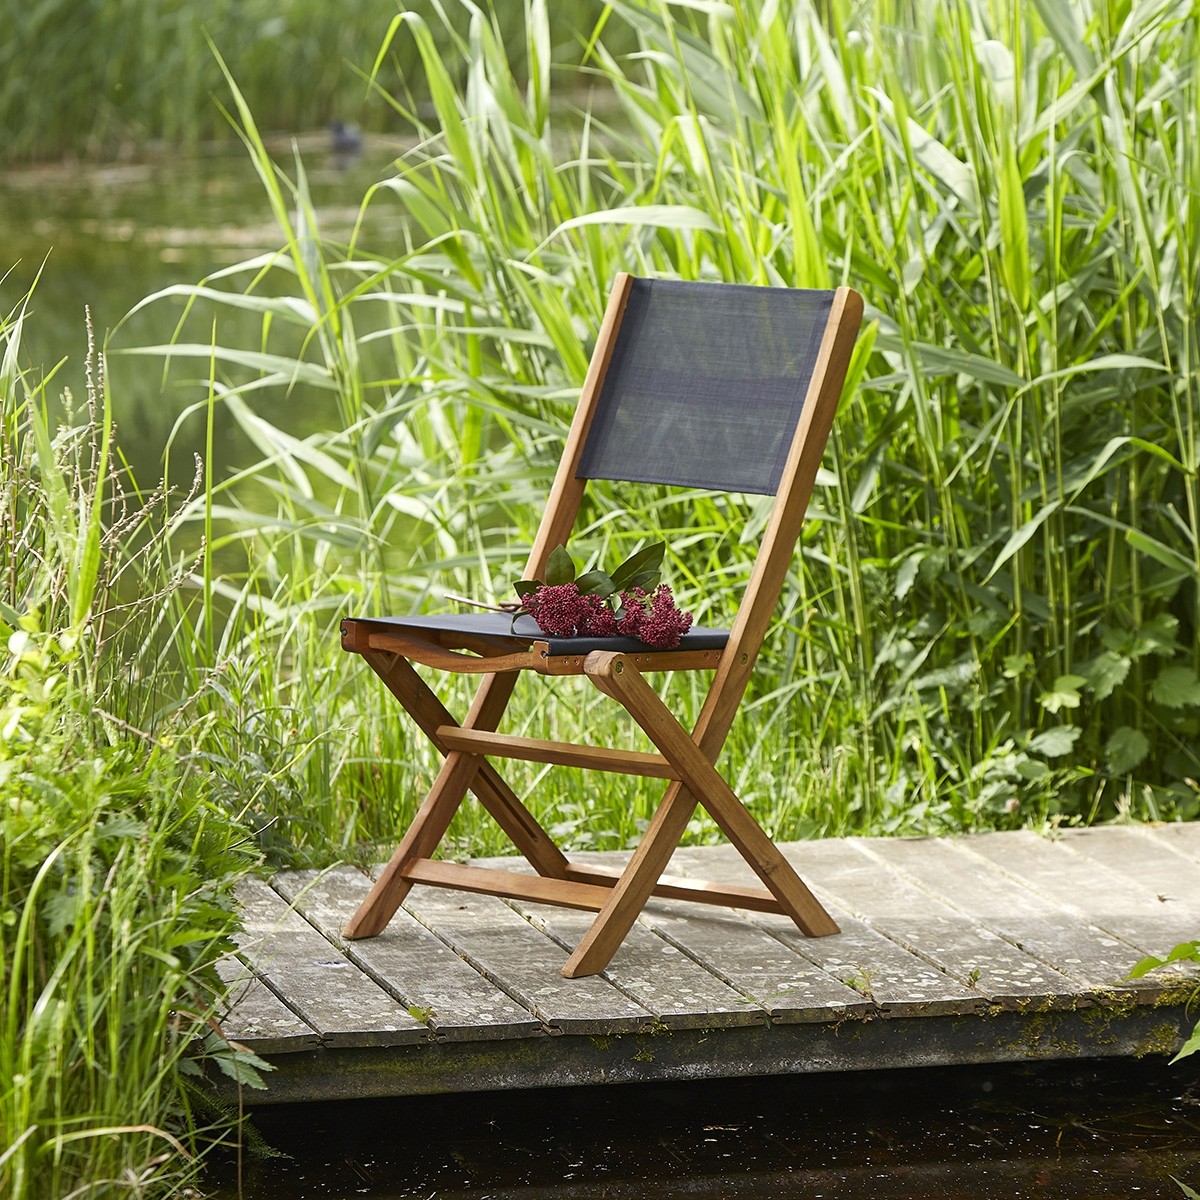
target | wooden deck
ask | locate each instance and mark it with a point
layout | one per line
(991, 948)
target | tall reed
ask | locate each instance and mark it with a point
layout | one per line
(993, 614)
(132, 74)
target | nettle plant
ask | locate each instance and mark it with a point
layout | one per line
(631, 602)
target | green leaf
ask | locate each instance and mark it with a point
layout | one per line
(906, 576)
(1054, 743)
(1020, 536)
(1176, 687)
(1014, 231)
(1185, 952)
(647, 562)
(1157, 636)
(1189, 1047)
(1064, 693)
(596, 583)
(526, 587)
(1033, 769)
(663, 216)
(1066, 27)
(1125, 749)
(1144, 965)
(1105, 672)
(1160, 552)
(560, 567)
(1015, 665)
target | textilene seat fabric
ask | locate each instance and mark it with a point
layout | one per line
(705, 385)
(499, 626)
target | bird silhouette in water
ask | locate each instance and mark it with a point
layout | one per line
(346, 143)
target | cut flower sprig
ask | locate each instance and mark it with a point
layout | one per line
(631, 602)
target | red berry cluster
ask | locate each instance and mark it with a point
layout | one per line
(562, 610)
(653, 618)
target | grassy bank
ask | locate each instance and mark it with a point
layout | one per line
(116, 858)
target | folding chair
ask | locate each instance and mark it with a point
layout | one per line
(717, 386)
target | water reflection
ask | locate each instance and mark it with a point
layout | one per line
(106, 236)
(1054, 1133)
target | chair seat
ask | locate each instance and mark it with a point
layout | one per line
(501, 629)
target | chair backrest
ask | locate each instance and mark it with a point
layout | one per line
(705, 385)
(795, 345)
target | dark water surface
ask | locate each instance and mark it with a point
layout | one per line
(1055, 1132)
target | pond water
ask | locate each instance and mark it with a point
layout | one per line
(106, 236)
(1057, 1132)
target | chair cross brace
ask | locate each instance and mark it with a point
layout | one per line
(617, 897)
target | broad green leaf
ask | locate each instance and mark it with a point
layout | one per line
(1014, 231)
(596, 583)
(1160, 552)
(646, 562)
(526, 587)
(1185, 952)
(931, 154)
(1033, 769)
(560, 567)
(1062, 19)
(1105, 672)
(1156, 636)
(286, 370)
(662, 216)
(943, 360)
(1176, 687)
(1189, 1047)
(1054, 743)
(906, 576)
(1015, 665)
(1145, 965)
(1064, 693)
(1125, 750)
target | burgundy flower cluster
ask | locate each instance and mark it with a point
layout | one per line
(561, 610)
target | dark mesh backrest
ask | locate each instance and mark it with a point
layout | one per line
(705, 385)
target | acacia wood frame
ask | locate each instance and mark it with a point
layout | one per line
(684, 759)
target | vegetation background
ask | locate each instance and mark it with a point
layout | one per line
(993, 616)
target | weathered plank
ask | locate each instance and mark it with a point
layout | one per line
(321, 984)
(691, 1054)
(408, 961)
(930, 928)
(1124, 907)
(1134, 853)
(1056, 936)
(526, 964)
(748, 958)
(896, 981)
(680, 993)
(976, 949)
(257, 1017)
(1184, 838)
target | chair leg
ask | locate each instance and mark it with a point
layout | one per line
(637, 882)
(458, 773)
(613, 674)
(426, 831)
(500, 801)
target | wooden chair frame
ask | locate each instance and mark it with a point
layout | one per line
(686, 760)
